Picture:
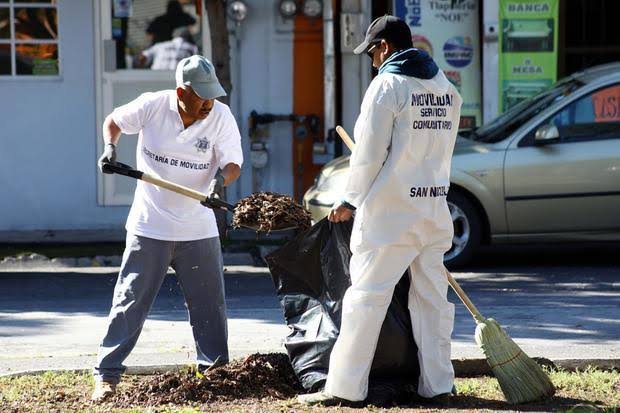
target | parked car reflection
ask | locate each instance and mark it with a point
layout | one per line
(547, 170)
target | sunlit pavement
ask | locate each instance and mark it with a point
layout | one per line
(558, 304)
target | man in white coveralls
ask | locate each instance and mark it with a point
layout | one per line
(398, 182)
(188, 137)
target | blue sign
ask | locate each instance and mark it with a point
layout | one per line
(458, 51)
(410, 11)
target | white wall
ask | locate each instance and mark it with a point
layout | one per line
(48, 155)
(262, 76)
(356, 69)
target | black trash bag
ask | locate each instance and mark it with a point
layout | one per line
(311, 275)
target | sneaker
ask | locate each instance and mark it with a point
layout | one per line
(326, 399)
(103, 390)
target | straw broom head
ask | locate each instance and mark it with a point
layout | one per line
(522, 380)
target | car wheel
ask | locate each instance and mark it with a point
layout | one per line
(467, 230)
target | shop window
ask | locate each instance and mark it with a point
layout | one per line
(29, 38)
(593, 117)
(589, 34)
(155, 35)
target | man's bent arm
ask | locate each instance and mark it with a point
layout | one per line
(111, 131)
(230, 173)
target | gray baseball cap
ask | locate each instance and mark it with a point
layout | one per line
(198, 72)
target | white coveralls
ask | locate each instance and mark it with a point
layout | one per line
(399, 178)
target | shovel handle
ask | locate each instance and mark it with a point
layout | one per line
(123, 169)
(211, 202)
(171, 186)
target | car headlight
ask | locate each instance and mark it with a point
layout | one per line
(333, 183)
(319, 179)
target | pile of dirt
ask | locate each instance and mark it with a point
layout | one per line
(270, 211)
(255, 377)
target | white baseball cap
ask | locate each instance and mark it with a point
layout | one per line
(198, 72)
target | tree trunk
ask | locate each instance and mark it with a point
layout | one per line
(220, 50)
(216, 10)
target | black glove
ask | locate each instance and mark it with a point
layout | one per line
(207, 203)
(347, 205)
(109, 156)
(216, 186)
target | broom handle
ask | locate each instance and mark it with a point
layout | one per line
(345, 137)
(464, 298)
(455, 286)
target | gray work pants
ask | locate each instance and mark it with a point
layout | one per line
(199, 269)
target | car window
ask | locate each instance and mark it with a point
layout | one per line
(504, 125)
(592, 117)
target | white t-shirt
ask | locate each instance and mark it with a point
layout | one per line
(188, 157)
(166, 55)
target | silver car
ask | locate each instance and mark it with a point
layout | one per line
(546, 170)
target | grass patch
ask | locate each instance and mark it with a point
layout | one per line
(586, 391)
(591, 390)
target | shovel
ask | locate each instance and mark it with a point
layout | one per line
(209, 201)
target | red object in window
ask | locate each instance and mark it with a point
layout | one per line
(607, 105)
(467, 122)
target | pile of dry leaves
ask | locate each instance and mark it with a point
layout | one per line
(257, 376)
(268, 211)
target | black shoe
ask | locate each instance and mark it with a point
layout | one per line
(325, 399)
(443, 398)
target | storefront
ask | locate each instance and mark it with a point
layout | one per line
(65, 64)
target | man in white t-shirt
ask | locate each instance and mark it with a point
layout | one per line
(166, 55)
(187, 137)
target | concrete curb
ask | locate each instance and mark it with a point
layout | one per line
(40, 263)
(133, 370)
(480, 367)
(462, 367)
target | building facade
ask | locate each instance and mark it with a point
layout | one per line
(65, 64)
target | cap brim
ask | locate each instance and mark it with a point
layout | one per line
(210, 90)
(362, 47)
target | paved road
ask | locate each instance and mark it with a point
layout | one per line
(561, 303)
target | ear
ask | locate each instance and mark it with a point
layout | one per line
(386, 47)
(180, 92)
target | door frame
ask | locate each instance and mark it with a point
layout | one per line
(102, 14)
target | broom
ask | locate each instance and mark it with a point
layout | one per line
(521, 379)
